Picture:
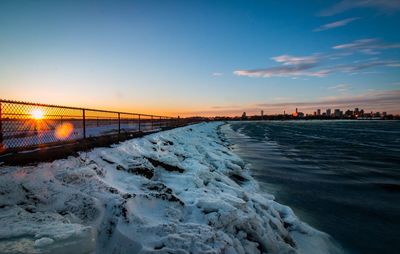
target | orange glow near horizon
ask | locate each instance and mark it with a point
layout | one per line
(37, 114)
(168, 109)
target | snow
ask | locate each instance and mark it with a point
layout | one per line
(177, 191)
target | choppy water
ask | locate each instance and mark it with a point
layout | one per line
(342, 177)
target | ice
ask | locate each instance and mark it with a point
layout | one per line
(178, 191)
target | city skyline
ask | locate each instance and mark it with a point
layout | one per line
(327, 112)
(202, 57)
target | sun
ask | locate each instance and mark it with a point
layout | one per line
(37, 114)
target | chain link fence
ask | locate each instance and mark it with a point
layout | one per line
(28, 125)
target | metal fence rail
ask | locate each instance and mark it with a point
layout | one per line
(26, 125)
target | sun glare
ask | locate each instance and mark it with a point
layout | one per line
(37, 114)
(64, 130)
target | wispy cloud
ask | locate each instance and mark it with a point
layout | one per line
(335, 24)
(292, 68)
(317, 64)
(282, 71)
(353, 68)
(217, 74)
(369, 46)
(295, 60)
(340, 88)
(383, 6)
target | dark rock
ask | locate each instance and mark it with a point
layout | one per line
(113, 190)
(286, 225)
(128, 196)
(237, 178)
(63, 213)
(162, 192)
(108, 161)
(145, 172)
(119, 167)
(167, 167)
(30, 209)
(288, 239)
(167, 142)
(124, 212)
(159, 247)
(99, 171)
(25, 189)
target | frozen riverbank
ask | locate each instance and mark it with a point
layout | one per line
(178, 191)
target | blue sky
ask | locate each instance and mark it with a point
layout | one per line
(202, 57)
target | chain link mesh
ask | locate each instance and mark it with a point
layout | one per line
(27, 125)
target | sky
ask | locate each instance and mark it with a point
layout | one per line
(204, 57)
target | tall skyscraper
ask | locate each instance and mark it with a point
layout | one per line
(318, 112)
(338, 113)
(328, 112)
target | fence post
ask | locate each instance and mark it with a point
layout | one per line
(1, 130)
(152, 123)
(139, 122)
(119, 123)
(84, 123)
(160, 123)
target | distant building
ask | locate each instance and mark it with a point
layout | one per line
(338, 113)
(297, 113)
(318, 112)
(328, 112)
(262, 113)
(348, 113)
(244, 116)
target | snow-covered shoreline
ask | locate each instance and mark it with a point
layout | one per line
(177, 191)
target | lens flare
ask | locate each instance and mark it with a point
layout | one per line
(63, 131)
(37, 114)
